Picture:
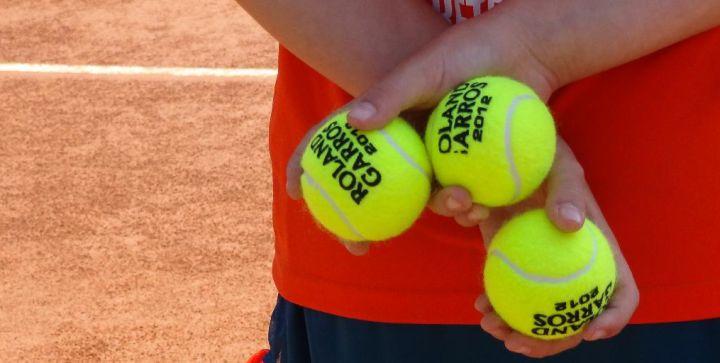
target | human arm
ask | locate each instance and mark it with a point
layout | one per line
(546, 44)
(352, 43)
(565, 185)
(546, 58)
(368, 39)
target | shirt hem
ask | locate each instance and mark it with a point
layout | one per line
(658, 304)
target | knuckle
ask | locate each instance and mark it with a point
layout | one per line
(463, 221)
(498, 334)
(437, 207)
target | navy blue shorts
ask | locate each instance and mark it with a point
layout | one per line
(300, 335)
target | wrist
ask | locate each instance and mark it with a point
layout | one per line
(530, 67)
(501, 47)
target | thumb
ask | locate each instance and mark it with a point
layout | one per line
(419, 82)
(566, 204)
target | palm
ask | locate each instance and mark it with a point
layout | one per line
(565, 184)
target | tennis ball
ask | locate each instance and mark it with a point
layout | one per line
(494, 137)
(546, 283)
(365, 185)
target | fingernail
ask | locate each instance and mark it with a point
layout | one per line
(477, 214)
(356, 248)
(571, 212)
(452, 204)
(362, 111)
(598, 334)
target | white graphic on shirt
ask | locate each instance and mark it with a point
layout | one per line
(457, 11)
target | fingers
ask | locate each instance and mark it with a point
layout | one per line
(617, 315)
(491, 322)
(413, 83)
(626, 296)
(449, 59)
(493, 325)
(566, 200)
(294, 172)
(473, 217)
(516, 342)
(451, 201)
(456, 202)
(536, 348)
(357, 248)
(482, 304)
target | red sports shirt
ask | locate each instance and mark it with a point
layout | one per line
(648, 135)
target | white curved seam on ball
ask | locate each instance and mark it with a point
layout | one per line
(508, 143)
(549, 279)
(402, 153)
(334, 206)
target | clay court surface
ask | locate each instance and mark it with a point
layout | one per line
(134, 210)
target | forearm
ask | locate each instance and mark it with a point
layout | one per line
(353, 43)
(574, 39)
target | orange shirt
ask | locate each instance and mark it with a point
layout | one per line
(647, 134)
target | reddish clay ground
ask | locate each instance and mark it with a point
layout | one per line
(134, 212)
(200, 33)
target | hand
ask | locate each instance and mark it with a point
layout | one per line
(294, 171)
(487, 46)
(476, 47)
(567, 199)
(464, 52)
(461, 52)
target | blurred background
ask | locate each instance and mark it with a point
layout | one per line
(135, 219)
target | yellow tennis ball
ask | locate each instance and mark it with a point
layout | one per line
(493, 136)
(365, 186)
(545, 283)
